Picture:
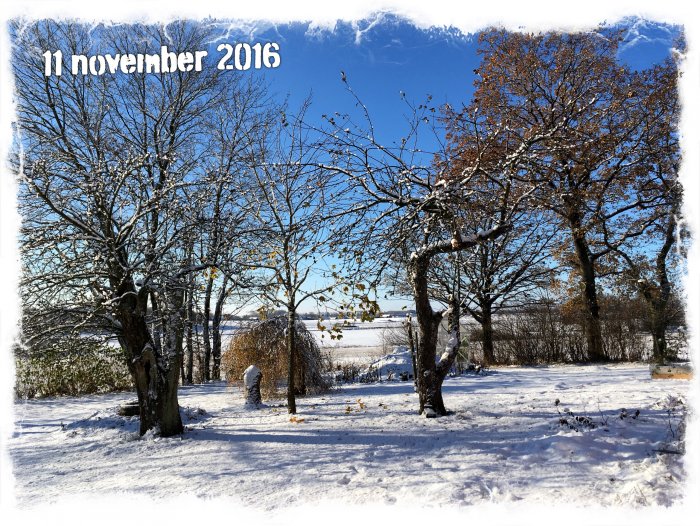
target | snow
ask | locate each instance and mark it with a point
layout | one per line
(362, 341)
(395, 363)
(250, 375)
(484, 233)
(356, 334)
(365, 444)
(452, 344)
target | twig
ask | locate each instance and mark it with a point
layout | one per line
(668, 451)
(646, 502)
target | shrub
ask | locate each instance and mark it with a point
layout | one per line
(392, 337)
(264, 345)
(348, 372)
(70, 366)
(550, 334)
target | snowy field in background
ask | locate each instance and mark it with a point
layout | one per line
(362, 342)
(365, 444)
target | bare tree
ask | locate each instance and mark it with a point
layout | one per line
(301, 212)
(233, 126)
(416, 207)
(107, 162)
(505, 273)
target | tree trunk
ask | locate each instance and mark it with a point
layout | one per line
(412, 347)
(594, 338)
(429, 395)
(487, 334)
(656, 297)
(156, 324)
(429, 377)
(658, 314)
(659, 304)
(136, 342)
(216, 331)
(448, 357)
(658, 332)
(300, 387)
(156, 386)
(205, 328)
(190, 321)
(167, 407)
(179, 342)
(291, 345)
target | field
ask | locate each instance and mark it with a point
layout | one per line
(361, 342)
(507, 440)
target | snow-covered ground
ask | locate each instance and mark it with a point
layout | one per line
(365, 444)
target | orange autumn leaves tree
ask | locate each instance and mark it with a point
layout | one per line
(590, 173)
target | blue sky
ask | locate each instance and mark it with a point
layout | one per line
(383, 57)
(386, 55)
(388, 58)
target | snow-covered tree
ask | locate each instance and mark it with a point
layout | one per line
(416, 207)
(107, 167)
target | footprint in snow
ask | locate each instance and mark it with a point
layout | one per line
(457, 494)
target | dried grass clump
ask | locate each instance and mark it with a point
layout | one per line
(264, 345)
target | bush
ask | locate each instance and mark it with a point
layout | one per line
(551, 334)
(264, 345)
(348, 372)
(392, 337)
(70, 366)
